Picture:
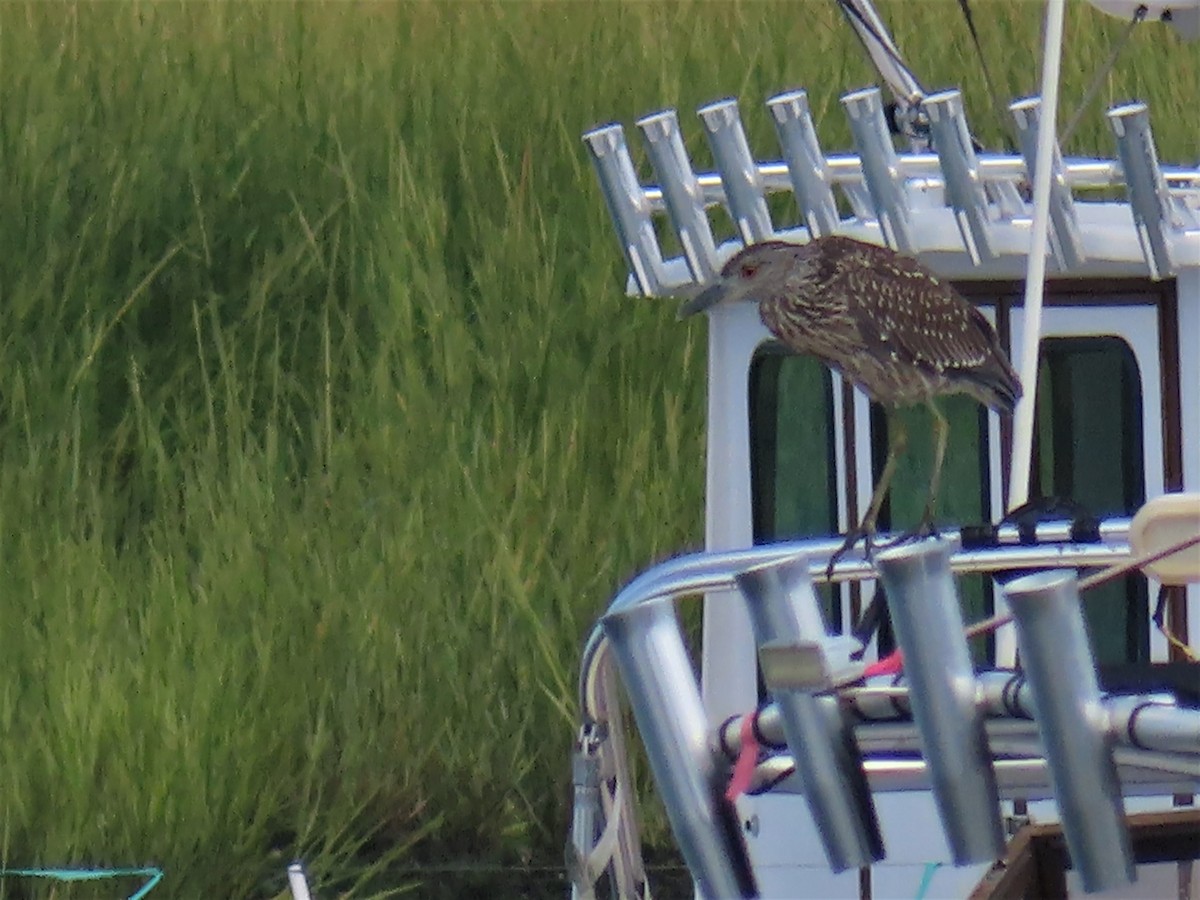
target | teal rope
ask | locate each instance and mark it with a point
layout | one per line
(927, 879)
(155, 875)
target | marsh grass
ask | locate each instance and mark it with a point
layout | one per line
(325, 429)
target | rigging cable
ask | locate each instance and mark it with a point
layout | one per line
(997, 109)
(1139, 16)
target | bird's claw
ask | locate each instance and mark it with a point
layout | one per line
(853, 536)
(924, 529)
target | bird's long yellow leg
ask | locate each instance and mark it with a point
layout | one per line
(941, 433)
(897, 443)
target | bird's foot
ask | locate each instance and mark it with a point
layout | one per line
(923, 529)
(866, 534)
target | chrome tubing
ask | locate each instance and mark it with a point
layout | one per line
(1073, 724)
(682, 192)
(847, 171)
(1152, 724)
(628, 206)
(929, 626)
(806, 165)
(1066, 240)
(650, 653)
(697, 573)
(1152, 207)
(744, 196)
(784, 608)
(960, 166)
(880, 167)
(1145, 722)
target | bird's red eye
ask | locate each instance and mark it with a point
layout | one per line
(748, 270)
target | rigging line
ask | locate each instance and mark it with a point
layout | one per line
(997, 109)
(1139, 16)
(894, 662)
(852, 10)
(1099, 578)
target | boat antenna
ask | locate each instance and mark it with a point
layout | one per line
(1139, 16)
(905, 116)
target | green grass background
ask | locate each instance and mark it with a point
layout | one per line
(325, 429)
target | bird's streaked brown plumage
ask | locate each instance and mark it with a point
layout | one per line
(878, 317)
(881, 319)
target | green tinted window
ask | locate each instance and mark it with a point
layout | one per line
(793, 472)
(792, 447)
(1088, 447)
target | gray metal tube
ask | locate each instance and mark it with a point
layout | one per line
(1148, 196)
(628, 206)
(1154, 724)
(681, 191)
(937, 663)
(964, 189)
(1073, 724)
(783, 607)
(744, 197)
(806, 164)
(880, 168)
(653, 661)
(1066, 240)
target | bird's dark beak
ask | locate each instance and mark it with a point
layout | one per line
(710, 296)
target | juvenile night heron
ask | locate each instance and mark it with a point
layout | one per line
(882, 320)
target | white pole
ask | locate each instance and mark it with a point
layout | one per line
(297, 882)
(1035, 274)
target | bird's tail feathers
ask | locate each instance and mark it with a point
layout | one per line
(998, 385)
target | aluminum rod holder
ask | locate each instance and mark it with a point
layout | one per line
(1073, 725)
(744, 197)
(1148, 197)
(960, 167)
(1066, 241)
(880, 167)
(648, 646)
(681, 191)
(784, 608)
(628, 207)
(929, 625)
(807, 168)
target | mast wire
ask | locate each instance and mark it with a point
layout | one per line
(997, 108)
(1139, 15)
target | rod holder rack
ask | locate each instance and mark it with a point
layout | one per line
(681, 192)
(1066, 243)
(929, 628)
(1151, 204)
(1057, 659)
(963, 722)
(784, 611)
(964, 189)
(744, 197)
(905, 200)
(652, 658)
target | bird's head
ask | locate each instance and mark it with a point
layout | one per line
(753, 274)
